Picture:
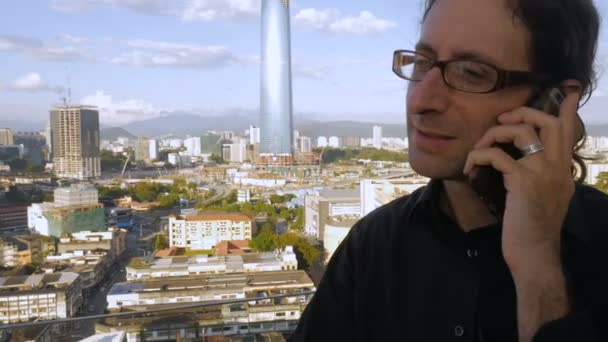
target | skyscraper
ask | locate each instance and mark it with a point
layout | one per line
(75, 141)
(276, 126)
(6, 136)
(377, 136)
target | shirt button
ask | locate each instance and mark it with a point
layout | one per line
(471, 252)
(458, 331)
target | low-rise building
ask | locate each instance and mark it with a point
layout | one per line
(182, 266)
(144, 295)
(114, 241)
(205, 231)
(92, 266)
(21, 250)
(39, 296)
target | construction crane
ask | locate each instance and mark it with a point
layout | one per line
(125, 166)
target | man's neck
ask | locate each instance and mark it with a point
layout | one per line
(459, 201)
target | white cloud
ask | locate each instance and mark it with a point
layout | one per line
(331, 20)
(187, 10)
(120, 112)
(31, 82)
(40, 50)
(150, 53)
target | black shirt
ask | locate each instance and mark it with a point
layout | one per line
(407, 272)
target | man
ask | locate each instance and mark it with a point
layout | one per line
(437, 265)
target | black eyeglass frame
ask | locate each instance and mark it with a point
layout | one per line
(504, 79)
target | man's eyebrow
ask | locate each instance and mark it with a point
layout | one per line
(460, 54)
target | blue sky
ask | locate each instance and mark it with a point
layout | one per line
(138, 58)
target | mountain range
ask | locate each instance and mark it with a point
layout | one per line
(183, 124)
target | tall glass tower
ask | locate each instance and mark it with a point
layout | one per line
(276, 126)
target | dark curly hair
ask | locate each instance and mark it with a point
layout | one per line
(564, 37)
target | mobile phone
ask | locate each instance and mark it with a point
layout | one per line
(487, 181)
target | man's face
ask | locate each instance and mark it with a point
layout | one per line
(443, 123)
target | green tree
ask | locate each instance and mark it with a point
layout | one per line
(276, 199)
(285, 214)
(602, 182)
(160, 242)
(307, 253)
(216, 158)
(265, 240)
(168, 201)
(299, 221)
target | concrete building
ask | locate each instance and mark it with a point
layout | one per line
(193, 146)
(179, 159)
(243, 195)
(207, 230)
(113, 241)
(276, 126)
(92, 266)
(333, 142)
(6, 136)
(378, 192)
(182, 266)
(335, 231)
(142, 149)
(321, 141)
(319, 209)
(350, 141)
(211, 144)
(21, 250)
(257, 315)
(377, 137)
(13, 216)
(34, 147)
(10, 152)
(235, 153)
(254, 135)
(75, 142)
(76, 194)
(39, 296)
(304, 144)
(153, 149)
(202, 288)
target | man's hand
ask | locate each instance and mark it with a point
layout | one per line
(539, 189)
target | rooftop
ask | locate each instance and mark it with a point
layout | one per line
(37, 282)
(217, 217)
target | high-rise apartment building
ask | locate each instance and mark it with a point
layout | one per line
(142, 149)
(254, 135)
(207, 230)
(6, 136)
(75, 142)
(377, 137)
(276, 126)
(153, 149)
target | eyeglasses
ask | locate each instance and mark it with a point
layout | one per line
(462, 74)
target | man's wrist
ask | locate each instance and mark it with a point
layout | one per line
(541, 294)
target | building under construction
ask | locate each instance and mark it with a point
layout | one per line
(75, 142)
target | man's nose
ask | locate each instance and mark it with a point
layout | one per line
(430, 94)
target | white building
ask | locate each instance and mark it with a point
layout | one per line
(39, 296)
(76, 194)
(378, 192)
(243, 195)
(321, 141)
(179, 159)
(193, 145)
(207, 230)
(237, 153)
(254, 135)
(328, 204)
(596, 144)
(203, 264)
(260, 182)
(334, 233)
(304, 144)
(153, 149)
(377, 136)
(334, 142)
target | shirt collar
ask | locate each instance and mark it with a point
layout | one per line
(574, 222)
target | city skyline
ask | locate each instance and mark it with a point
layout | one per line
(135, 60)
